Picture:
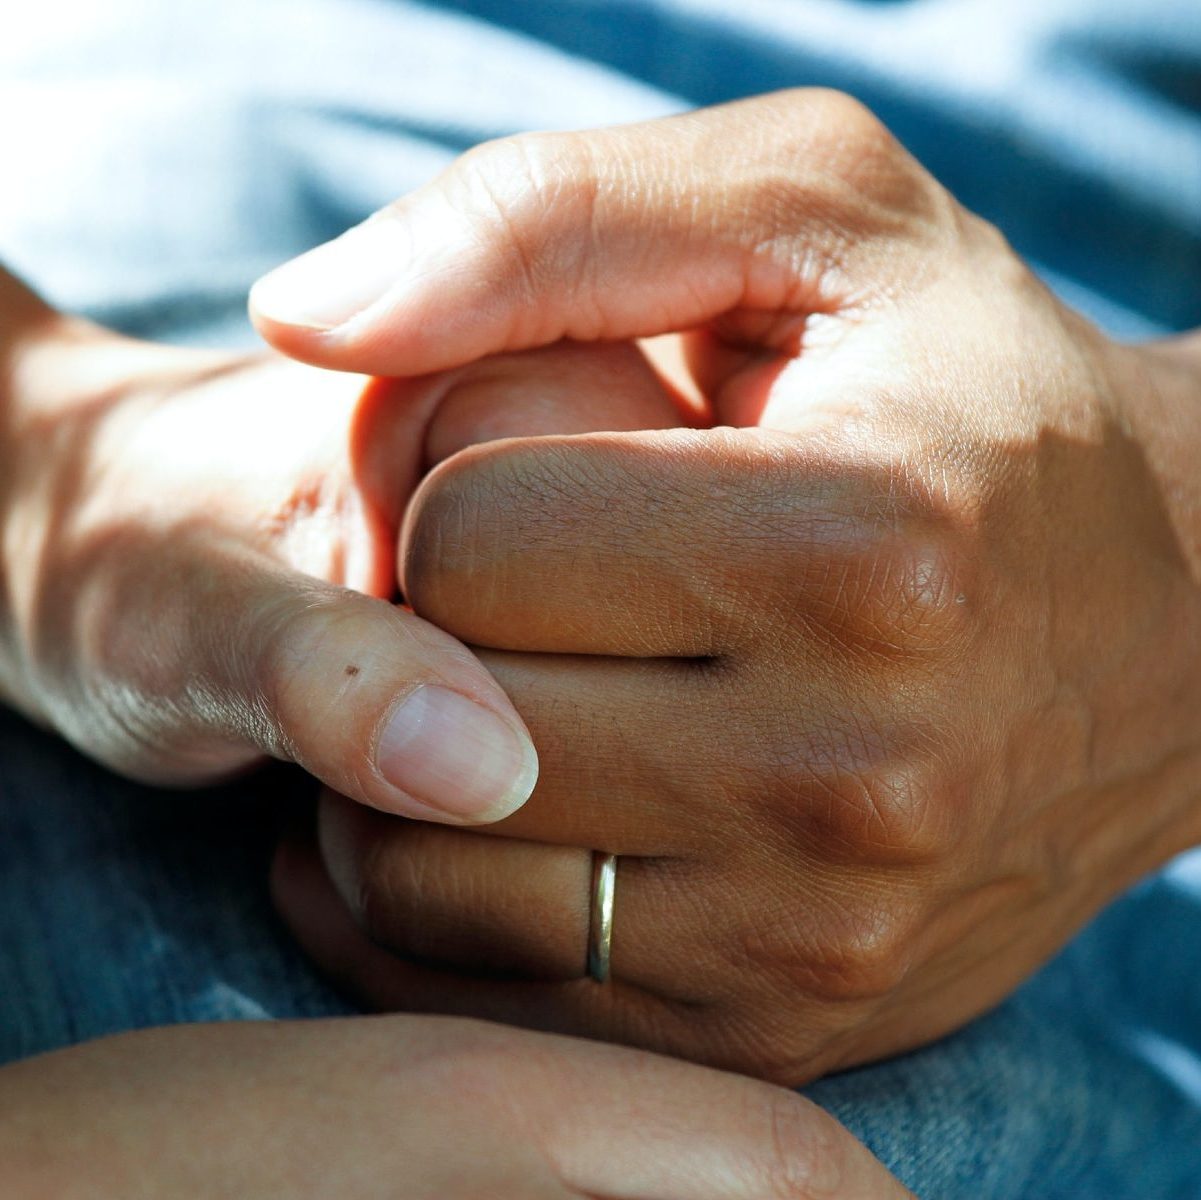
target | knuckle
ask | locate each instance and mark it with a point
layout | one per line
(883, 815)
(850, 942)
(531, 194)
(515, 164)
(916, 591)
(868, 957)
(903, 598)
(887, 567)
(857, 793)
(865, 163)
(841, 117)
(517, 179)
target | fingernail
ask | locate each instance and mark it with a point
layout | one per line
(457, 758)
(335, 281)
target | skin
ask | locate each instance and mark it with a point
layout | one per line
(180, 605)
(879, 689)
(412, 1109)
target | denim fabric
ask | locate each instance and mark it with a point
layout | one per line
(160, 156)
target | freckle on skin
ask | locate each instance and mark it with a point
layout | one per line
(352, 670)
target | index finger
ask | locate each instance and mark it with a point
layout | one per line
(676, 543)
(765, 206)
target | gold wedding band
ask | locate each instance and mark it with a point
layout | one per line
(600, 925)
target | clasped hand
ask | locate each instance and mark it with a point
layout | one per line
(879, 688)
(880, 680)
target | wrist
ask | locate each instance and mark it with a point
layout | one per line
(1160, 388)
(1162, 412)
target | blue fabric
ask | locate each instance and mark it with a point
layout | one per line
(159, 157)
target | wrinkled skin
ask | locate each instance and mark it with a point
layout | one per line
(879, 690)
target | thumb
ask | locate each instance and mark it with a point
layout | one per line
(239, 657)
(767, 211)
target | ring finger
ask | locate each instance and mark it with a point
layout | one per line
(495, 906)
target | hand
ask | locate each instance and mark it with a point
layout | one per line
(879, 696)
(199, 551)
(411, 1108)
